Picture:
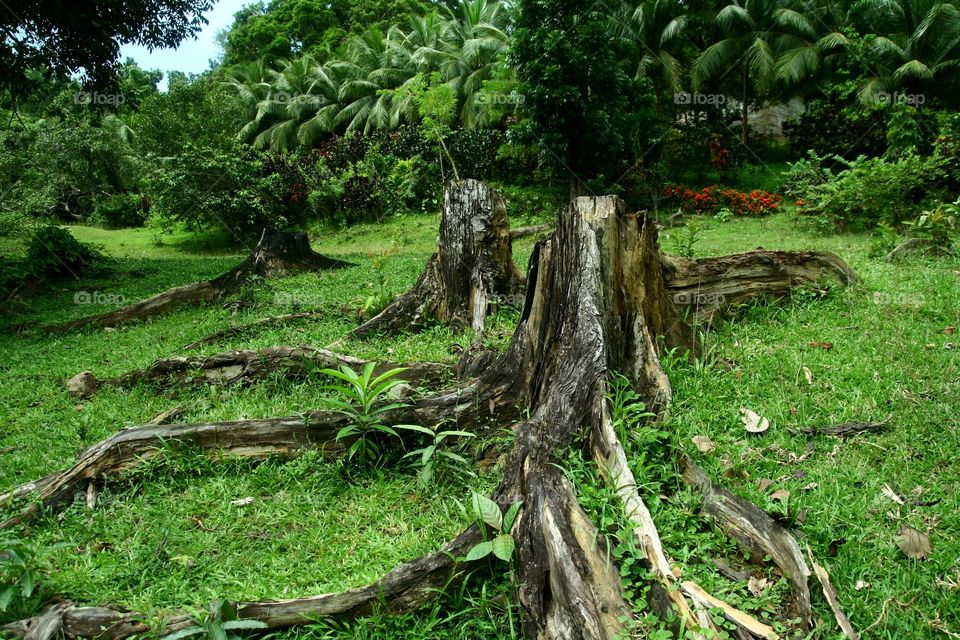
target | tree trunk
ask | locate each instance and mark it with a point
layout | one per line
(472, 268)
(278, 253)
(744, 108)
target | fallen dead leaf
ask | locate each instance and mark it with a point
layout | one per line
(243, 502)
(826, 346)
(757, 585)
(753, 422)
(809, 487)
(704, 444)
(950, 331)
(861, 585)
(764, 484)
(808, 375)
(781, 494)
(913, 543)
(888, 491)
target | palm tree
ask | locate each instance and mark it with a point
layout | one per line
(770, 43)
(917, 44)
(653, 29)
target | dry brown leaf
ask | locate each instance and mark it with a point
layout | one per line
(781, 494)
(950, 331)
(757, 585)
(704, 444)
(808, 375)
(888, 491)
(764, 484)
(753, 422)
(914, 544)
(826, 346)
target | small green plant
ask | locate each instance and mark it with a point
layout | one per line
(884, 239)
(685, 239)
(724, 215)
(18, 579)
(488, 513)
(940, 226)
(219, 622)
(364, 407)
(433, 459)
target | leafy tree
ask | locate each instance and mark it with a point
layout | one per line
(581, 103)
(63, 37)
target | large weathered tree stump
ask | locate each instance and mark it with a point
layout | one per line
(278, 253)
(472, 264)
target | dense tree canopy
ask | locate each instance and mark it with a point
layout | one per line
(62, 37)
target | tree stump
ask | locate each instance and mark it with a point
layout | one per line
(277, 254)
(472, 267)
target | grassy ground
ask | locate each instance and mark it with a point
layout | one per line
(313, 528)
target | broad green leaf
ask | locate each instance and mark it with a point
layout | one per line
(184, 633)
(487, 510)
(245, 624)
(414, 427)
(482, 550)
(503, 546)
(26, 584)
(6, 597)
(215, 630)
(511, 516)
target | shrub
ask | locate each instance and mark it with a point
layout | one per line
(805, 174)
(710, 200)
(872, 190)
(120, 211)
(53, 252)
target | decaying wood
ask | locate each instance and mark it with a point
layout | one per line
(233, 332)
(532, 230)
(845, 429)
(248, 365)
(905, 248)
(690, 601)
(472, 264)
(405, 588)
(756, 531)
(708, 285)
(276, 254)
(831, 595)
(130, 447)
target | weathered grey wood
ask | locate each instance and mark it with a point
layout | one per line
(276, 254)
(755, 530)
(249, 365)
(232, 332)
(473, 259)
(708, 285)
(405, 588)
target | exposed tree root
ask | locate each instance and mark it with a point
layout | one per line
(473, 261)
(708, 285)
(276, 254)
(405, 588)
(248, 365)
(233, 332)
(755, 530)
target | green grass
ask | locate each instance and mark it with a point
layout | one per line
(312, 528)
